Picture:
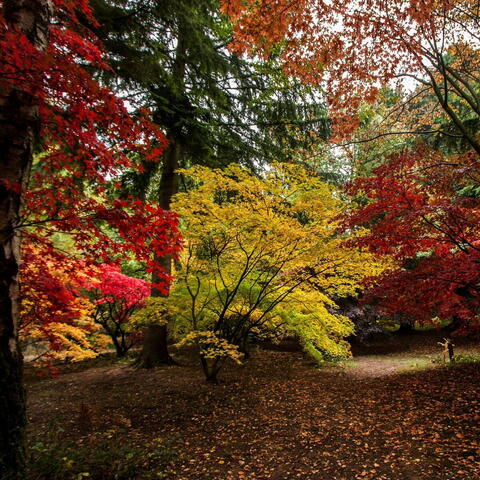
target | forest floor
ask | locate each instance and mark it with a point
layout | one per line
(394, 412)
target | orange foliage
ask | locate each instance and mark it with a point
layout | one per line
(351, 47)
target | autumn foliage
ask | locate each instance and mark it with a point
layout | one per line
(287, 206)
(56, 318)
(420, 206)
(261, 262)
(115, 297)
(87, 138)
(422, 209)
(354, 48)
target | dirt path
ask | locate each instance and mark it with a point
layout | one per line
(376, 367)
(279, 418)
(405, 354)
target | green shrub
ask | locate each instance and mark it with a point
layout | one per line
(109, 455)
(466, 358)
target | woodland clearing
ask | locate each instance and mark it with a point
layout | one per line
(395, 411)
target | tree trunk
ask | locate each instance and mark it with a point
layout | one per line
(450, 351)
(19, 125)
(210, 369)
(155, 345)
(405, 327)
(155, 348)
(121, 347)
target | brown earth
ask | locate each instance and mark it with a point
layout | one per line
(386, 415)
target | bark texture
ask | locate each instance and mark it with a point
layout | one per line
(19, 125)
(155, 345)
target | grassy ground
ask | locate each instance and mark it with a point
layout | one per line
(394, 412)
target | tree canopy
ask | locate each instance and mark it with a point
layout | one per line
(261, 260)
(224, 175)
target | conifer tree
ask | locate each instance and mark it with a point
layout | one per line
(215, 107)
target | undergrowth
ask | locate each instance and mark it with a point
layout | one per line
(107, 455)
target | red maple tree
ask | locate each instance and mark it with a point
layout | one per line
(116, 296)
(87, 138)
(422, 209)
(84, 137)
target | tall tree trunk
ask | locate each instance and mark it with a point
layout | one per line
(155, 345)
(19, 124)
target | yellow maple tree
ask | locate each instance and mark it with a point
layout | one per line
(262, 259)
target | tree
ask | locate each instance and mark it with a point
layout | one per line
(50, 101)
(356, 47)
(364, 317)
(261, 260)
(421, 209)
(55, 318)
(172, 57)
(116, 296)
(18, 127)
(215, 107)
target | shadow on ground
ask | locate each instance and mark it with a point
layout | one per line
(276, 417)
